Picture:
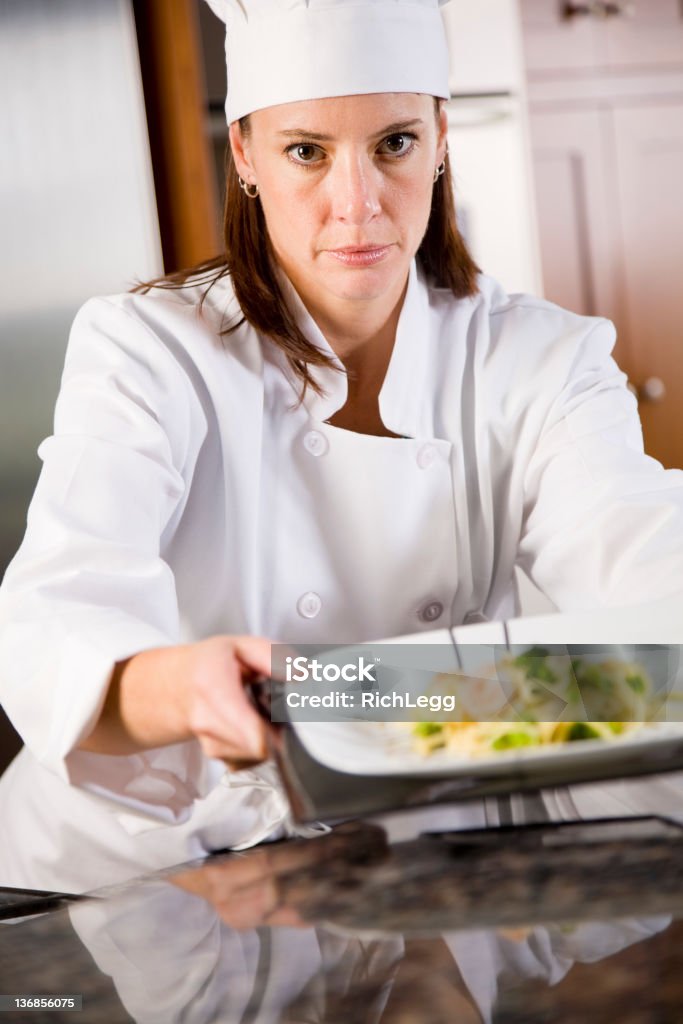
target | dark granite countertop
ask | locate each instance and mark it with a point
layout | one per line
(542, 923)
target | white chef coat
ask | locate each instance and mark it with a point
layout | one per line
(185, 493)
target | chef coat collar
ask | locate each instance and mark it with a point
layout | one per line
(401, 400)
(332, 382)
(404, 402)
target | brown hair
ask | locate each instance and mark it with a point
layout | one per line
(249, 261)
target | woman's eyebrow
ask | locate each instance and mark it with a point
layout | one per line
(389, 129)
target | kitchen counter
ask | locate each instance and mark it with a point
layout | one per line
(377, 922)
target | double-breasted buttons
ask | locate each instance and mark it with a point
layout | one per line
(315, 443)
(309, 605)
(431, 612)
(426, 456)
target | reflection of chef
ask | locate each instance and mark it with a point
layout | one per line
(204, 971)
(173, 960)
(660, 795)
(491, 963)
(236, 953)
(239, 953)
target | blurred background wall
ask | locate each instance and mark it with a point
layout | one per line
(77, 209)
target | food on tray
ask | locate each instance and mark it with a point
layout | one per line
(538, 698)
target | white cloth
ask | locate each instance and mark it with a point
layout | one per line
(279, 52)
(185, 493)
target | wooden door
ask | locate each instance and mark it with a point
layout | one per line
(175, 100)
(649, 150)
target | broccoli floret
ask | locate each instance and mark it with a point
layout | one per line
(637, 683)
(534, 664)
(582, 731)
(509, 740)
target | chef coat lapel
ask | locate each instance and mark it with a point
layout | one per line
(403, 398)
(332, 382)
(402, 402)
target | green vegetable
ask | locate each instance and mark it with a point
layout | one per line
(593, 676)
(543, 673)
(510, 740)
(637, 683)
(582, 731)
(534, 664)
(427, 728)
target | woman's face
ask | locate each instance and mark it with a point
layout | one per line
(346, 186)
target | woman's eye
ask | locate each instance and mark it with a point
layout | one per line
(398, 145)
(304, 153)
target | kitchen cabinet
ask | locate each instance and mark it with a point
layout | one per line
(606, 121)
(564, 37)
(572, 180)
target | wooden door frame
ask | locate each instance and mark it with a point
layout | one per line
(175, 100)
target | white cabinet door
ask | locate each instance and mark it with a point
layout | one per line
(649, 149)
(553, 44)
(649, 33)
(639, 34)
(607, 134)
(576, 214)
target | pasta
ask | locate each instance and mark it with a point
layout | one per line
(536, 699)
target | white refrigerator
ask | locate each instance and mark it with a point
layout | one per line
(488, 141)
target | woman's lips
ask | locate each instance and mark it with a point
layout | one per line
(364, 256)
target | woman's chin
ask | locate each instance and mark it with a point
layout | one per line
(363, 284)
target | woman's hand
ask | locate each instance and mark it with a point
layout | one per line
(171, 694)
(217, 708)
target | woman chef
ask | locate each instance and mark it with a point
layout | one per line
(349, 435)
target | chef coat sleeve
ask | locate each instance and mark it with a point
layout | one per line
(602, 521)
(89, 586)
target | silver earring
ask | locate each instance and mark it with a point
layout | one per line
(439, 171)
(249, 190)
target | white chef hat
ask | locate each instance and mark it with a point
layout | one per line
(281, 51)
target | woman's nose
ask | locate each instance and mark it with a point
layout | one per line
(355, 189)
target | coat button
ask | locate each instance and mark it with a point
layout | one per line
(431, 612)
(315, 443)
(426, 456)
(309, 605)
